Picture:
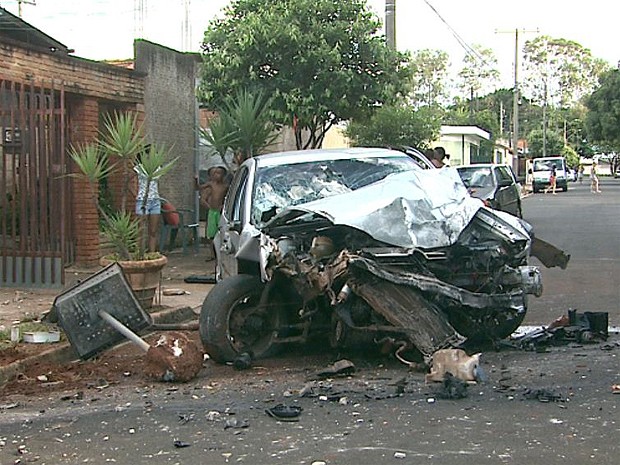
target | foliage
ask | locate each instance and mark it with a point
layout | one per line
(123, 138)
(603, 119)
(397, 125)
(242, 126)
(479, 73)
(572, 158)
(429, 73)
(219, 137)
(559, 72)
(321, 61)
(554, 143)
(122, 232)
(121, 146)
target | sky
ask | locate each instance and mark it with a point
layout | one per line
(105, 29)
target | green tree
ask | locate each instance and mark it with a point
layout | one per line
(559, 72)
(554, 143)
(321, 61)
(429, 74)
(572, 158)
(479, 74)
(395, 126)
(603, 118)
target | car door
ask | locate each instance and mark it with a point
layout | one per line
(231, 224)
(508, 195)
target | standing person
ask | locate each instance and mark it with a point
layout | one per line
(439, 155)
(594, 182)
(212, 195)
(580, 170)
(150, 206)
(553, 178)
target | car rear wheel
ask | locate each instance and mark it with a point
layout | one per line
(232, 320)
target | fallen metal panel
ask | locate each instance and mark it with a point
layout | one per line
(78, 311)
(548, 254)
(423, 323)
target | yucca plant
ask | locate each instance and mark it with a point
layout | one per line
(122, 147)
(243, 126)
(249, 113)
(123, 138)
(220, 135)
(121, 231)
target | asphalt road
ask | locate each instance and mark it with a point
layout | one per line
(382, 413)
(587, 226)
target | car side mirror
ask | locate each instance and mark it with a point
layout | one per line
(529, 171)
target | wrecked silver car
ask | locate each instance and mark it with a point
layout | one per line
(361, 245)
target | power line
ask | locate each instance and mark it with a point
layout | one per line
(468, 49)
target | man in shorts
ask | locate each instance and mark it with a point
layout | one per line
(212, 195)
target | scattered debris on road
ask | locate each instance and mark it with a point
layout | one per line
(453, 362)
(586, 327)
(283, 412)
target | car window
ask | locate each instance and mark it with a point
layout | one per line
(476, 176)
(233, 207)
(504, 174)
(545, 165)
(277, 187)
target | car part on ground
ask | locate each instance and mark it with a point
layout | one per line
(408, 257)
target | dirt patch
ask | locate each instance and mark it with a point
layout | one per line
(122, 365)
(11, 352)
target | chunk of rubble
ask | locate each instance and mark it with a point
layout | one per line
(173, 357)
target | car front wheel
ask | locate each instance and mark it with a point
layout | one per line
(232, 321)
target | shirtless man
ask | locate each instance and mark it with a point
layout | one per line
(212, 195)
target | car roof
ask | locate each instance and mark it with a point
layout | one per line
(301, 156)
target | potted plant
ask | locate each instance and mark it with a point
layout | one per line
(121, 148)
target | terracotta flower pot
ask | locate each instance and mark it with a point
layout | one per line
(143, 276)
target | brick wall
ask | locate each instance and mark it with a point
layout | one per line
(85, 117)
(80, 76)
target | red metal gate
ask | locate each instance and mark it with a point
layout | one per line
(35, 226)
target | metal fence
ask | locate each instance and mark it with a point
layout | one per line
(35, 211)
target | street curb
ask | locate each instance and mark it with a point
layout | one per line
(64, 353)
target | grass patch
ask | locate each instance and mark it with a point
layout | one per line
(25, 327)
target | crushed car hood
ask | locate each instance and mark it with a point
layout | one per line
(418, 208)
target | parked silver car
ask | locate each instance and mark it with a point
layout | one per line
(496, 185)
(361, 245)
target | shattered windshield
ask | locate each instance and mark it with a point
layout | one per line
(277, 187)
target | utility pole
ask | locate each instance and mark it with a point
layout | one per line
(139, 14)
(27, 2)
(390, 23)
(515, 103)
(515, 108)
(187, 27)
